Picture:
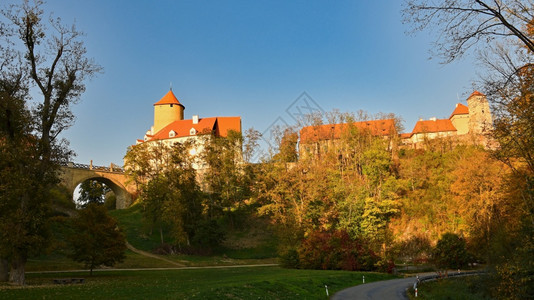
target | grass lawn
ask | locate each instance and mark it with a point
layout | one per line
(57, 262)
(464, 288)
(226, 283)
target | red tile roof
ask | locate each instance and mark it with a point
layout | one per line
(225, 124)
(218, 125)
(440, 125)
(169, 98)
(312, 134)
(460, 110)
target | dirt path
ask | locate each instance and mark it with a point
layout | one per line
(148, 254)
(157, 269)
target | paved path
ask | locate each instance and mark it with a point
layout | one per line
(380, 290)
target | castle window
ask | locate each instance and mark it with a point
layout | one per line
(193, 131)
(171, 105)
(172, 133)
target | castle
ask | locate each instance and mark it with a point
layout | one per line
(315, 140)
(467, 124)
(170, 127)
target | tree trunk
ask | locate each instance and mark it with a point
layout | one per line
(161, 234)
(4, 268)
(17, 272)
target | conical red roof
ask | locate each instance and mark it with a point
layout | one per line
(169, 98)
(476, 93)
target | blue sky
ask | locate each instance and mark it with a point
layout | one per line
(250, 59)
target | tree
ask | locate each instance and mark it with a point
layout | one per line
(503, 33)
(96, 239)
(53, 60)
(170, 194)
(226, 176)
(478, 196)
(92, 191)
(464, 24)
(450, 252)
(146, 161)
(287, 152)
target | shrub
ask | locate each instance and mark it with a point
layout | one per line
(208, 234)
(450, 252)
(289, 259)
(335, 251)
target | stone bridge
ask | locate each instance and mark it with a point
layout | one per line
(113, 176)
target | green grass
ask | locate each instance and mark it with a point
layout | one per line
(56, 262)
(131, 222)
(464, 288)
(226, 283)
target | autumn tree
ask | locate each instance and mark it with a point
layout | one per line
(96, 238)
(51, 57)
(145, 161)
(466, 24)
(478, 196)
(502, 35)
(344, 183)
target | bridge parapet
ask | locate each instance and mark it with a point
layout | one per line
(111, 169)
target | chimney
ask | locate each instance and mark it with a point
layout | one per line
(195, 119)
(433, 119)
(420, 119)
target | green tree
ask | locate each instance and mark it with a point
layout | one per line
(146, 161)
(170, 193)
(53, 59)
(153, 196)
(92, 191)
(226, 177)
(96, 239)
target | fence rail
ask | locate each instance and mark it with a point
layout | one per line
(441, 275)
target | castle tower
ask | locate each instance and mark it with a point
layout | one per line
(166, 111)
(460, 119)
(480, 120)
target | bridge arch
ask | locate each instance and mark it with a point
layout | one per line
(75, 174)
(124, 199)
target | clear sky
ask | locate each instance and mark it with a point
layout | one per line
(251, 59)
